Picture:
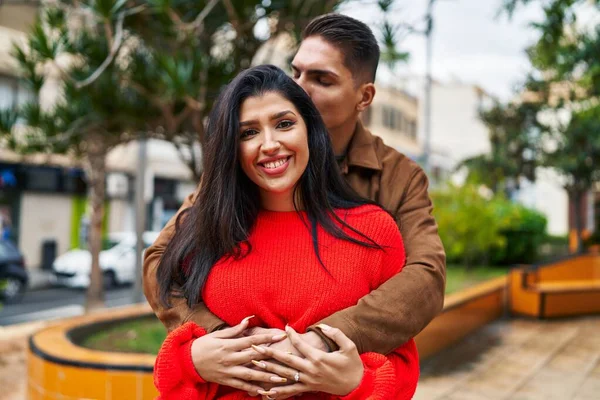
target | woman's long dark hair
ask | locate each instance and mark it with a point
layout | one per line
(228, 202)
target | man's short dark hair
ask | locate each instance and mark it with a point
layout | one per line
(353, 38)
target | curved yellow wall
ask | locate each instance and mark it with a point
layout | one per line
(59, 369)
(464, 312)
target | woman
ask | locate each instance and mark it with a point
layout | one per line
(276, 233)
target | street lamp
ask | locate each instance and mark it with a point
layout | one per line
(427, 106)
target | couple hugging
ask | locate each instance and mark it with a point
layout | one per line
(308, 259)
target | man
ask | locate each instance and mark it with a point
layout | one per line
(336, 65)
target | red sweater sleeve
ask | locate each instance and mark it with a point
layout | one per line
(175, 376)
(388, 377)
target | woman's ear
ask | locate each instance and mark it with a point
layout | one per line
(367, 91)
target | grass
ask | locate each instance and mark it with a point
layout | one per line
(146, 335)
(139, 336)
(458, 277)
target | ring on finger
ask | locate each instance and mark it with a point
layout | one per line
(297, 376)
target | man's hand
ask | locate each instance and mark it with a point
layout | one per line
(221, 357)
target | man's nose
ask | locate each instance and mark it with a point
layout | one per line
(304, 84)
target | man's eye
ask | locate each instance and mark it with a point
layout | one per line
(324, 82)
(285, 124)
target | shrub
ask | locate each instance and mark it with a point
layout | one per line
(476, 227)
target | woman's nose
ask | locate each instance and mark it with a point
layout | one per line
(270, 144)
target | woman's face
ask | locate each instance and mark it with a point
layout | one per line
(273, 147)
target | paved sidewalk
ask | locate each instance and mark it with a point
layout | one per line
(13, 365)
(519, 359)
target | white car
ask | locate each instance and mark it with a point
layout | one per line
(72, 269)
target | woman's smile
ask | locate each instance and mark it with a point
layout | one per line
(275, 165)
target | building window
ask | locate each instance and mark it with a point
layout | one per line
(412, 130)
(393, 119)
(387, 116)
(12, 93)
(41, 179)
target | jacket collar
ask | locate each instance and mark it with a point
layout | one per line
(361, 151)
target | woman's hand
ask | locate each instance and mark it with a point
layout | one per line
(222, 357)
(337, 373)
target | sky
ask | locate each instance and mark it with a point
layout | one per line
(471, 43)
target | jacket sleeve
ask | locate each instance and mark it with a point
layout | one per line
(388, 377)
(179, 312)
(401, 307)
(175, 376)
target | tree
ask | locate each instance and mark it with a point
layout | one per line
(129, 68)
(577, 158)
(93, 113)
(514, 136)
(565, 86)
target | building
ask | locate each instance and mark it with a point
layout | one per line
(393, 116)
(456, 133)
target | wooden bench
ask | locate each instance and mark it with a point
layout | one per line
(535, 297)
(567, 286)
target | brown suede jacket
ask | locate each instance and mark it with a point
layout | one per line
(397, 310)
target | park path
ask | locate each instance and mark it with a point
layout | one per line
(518, 359)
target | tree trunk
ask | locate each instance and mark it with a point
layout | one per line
(96, 174)
(577, 196)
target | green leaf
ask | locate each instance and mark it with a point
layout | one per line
(104, 8)
(118, 6)
(55, 17)
(41, 44)
(8, 119)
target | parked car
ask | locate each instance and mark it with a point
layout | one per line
(73, 268)
(13, 274)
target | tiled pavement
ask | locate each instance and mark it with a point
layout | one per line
(518, 359)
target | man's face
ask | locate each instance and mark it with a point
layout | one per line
(319, 68)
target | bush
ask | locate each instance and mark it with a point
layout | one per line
(476, 227)
(554, 247)
(524, 230)
(467, 224)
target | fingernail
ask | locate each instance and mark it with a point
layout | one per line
(279, 337)
(278, 379)
(247, 319)
(259, 364)
(265, 393)
(259, 349)
(324, 327)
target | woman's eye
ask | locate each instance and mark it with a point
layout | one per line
(285, 124)
(248, 133)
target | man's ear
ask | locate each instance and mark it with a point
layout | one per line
(367, 91)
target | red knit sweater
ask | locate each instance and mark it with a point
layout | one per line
(281, 281)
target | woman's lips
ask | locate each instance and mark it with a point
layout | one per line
(277, 170)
